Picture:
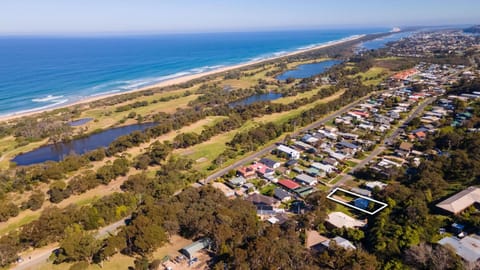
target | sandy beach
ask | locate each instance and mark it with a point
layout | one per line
(179, 80)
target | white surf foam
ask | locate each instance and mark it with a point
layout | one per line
(47, 98)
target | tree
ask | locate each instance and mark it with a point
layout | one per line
(35, 201)
(426, 256)
(77, 245)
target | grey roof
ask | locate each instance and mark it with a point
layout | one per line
(259, 199)
(281, 194)
(362, 191)
(305, 178)
(194, 247)
(340, 241)
(268, 162)
(468, 248)
(240, 180)
(348, 145)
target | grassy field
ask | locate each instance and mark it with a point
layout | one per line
(120, 261)
(284, 116)
(373, 76)
(308, 94)
(106, 116)
(8, 150)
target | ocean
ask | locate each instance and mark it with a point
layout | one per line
(44, 72)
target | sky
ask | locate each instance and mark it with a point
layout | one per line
(171, 16)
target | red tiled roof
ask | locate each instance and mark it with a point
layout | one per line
(288, 184)
(421, 134)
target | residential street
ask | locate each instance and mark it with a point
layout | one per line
(389, 140)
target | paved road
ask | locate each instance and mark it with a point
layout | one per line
(41, 256)
(270, 148)
(389, 140)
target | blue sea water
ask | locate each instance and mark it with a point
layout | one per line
(44, 72)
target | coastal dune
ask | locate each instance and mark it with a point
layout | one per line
(179, 80)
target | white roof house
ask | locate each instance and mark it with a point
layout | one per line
(323, 167)
(339, 220)
(291, 152)
(225, 189)
(460, 201)
(468, 247)
(306, 179)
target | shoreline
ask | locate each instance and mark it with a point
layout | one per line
(179, 80)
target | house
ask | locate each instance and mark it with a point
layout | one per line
(348, 136)
(302, 146)
(328, 134)
(297, 169)
(314, 241)
(254, 169)
(306, 179)
(265, 205)
(304, 191)
(237, 181)
(330, 161)
(340, 220)
(288, 184)
(307, 138)
(339, 241)
(404, 149)
(249, 186)
(270, 178)
(195, 247)
(292, 153)
(282, 195)
(468, 247)
(278, 219)
(362, 191)
(315, 172)
(375, 184)
(323, 167)
(270, 163)
(337, 156)
(225, 189)
(461, 201)
(291, 163)
(247, 172)
(345, 144)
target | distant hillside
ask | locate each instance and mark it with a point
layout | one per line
(473, 29)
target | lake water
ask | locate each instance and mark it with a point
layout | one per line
(80, 122)
(255, 98)
(308, 70)
(57, 152)
(382, 42)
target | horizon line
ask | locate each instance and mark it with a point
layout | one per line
(276, 29)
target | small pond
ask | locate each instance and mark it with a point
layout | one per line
(80, 122)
